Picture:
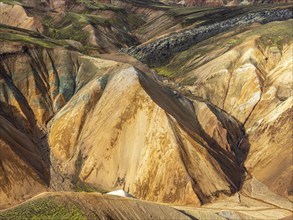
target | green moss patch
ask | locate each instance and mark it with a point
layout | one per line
(95, 5)
(70, 26)
(45, 208)
(9, 33)
(26, 39)
(149, 4)
(9, 2)
(165, 71)
(80, 186)
(275, 34)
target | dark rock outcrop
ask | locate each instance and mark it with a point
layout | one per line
(159, 52)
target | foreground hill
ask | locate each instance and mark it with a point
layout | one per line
(89, 206)
(69, 205)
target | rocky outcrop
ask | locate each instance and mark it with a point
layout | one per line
(58, 5)
(160, 51)
(15, 15)
(133, 166)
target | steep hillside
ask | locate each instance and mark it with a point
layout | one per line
(250, 80)
(73, 96)
(223, 2)
(190, 107)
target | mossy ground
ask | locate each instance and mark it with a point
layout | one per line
(275, 34)
(15, 2)
(45, 208)
(149, 4)
(80, 186)
(26, 39)
(71, 26)
(164, 71)
(96, 5)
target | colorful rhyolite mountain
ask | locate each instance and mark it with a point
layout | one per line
(186, 112)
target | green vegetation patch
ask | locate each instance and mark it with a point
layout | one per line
(165, 71)
(275, 34)
(81, 19)
(135, 20)
(26, 39)
(71, 26)
(184, 11)
(95, 5)
(187, 60)
(149, 4)
(9, 33)
(17, 2)
(80, 186)
(189, 15)
(45, 208)
(11, 2)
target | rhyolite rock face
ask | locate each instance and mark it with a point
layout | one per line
(15, 15)
(250, 82)
(215, 135)
(143, 145)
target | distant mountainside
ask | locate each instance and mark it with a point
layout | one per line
(224, 2)
(187, 109)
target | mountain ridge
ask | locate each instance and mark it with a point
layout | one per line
(206, 130)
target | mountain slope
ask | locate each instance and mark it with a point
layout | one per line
(250, 82)
(207, 130)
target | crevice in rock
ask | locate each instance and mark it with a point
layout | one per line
(33, 131)
(227, 91)
(23, 104)
(261, 78)
(201, 196)
(56, 76)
